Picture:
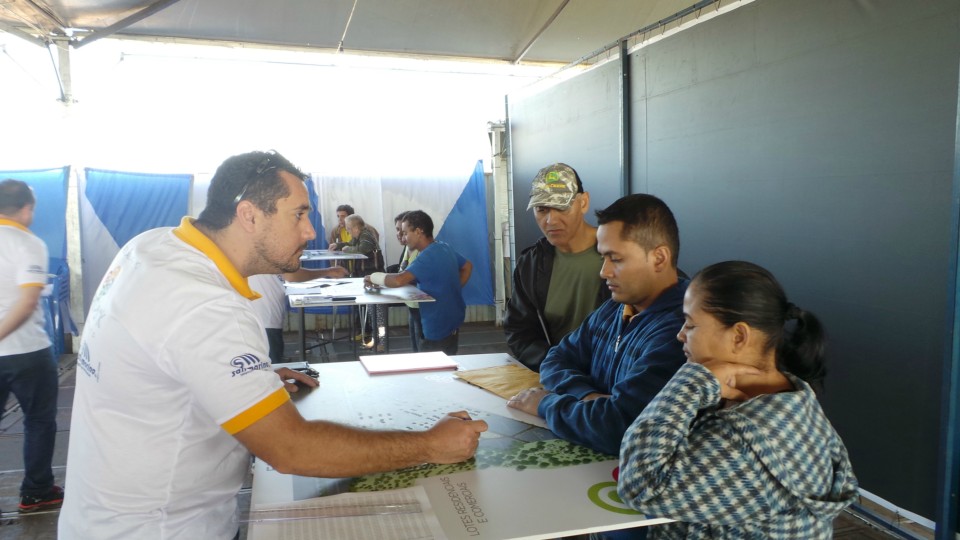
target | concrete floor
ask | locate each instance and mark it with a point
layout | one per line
(39, 525)
(475, 338)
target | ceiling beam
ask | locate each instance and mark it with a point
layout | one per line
(21, 34)
(543, 29)
(346, 27)
(661, 24)
(47, 14)
(123, 23)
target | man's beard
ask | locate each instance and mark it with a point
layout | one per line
(273, 264)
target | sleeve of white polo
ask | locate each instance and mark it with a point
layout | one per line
(378, 278)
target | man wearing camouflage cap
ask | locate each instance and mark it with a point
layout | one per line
(557, 282)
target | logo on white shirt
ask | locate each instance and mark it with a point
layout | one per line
(245, 363)
(83, 360)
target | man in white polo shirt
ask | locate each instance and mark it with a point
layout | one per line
(174, 385)
(28, 369)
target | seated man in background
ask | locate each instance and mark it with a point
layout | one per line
(599, 377)
(438, 271)
(340, 233)
(556, 283)
(404, 250)
(174, 389)
(272, 306)
(365, 243)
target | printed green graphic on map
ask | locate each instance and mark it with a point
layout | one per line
(508, 443)
(519, 455)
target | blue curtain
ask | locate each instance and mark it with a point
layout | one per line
(50, 219)
(320, 241)
(130, 203)
(465, 229)
(116, 206)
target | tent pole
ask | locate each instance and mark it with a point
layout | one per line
(61, 65)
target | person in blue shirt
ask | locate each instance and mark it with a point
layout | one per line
(601, 375)
(438, 271)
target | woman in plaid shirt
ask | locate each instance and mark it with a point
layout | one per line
(736, 444)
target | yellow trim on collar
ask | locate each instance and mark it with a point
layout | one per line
(12, 223)
(193, 237)
(252, 415)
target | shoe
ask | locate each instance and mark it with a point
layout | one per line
(52, 499)
(358, 337)
(367, 344)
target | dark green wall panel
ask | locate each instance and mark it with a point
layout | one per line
(816, 138)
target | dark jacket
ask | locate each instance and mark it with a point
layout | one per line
(365, 244)
(630, 360)
(525, 325)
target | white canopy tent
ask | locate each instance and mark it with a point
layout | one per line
(553, 31)
(358, 88)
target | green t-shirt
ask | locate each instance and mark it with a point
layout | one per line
(408, 257)
(572, 296)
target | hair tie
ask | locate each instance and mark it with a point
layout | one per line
(792, 313)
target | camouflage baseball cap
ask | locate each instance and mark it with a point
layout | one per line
(555, 186)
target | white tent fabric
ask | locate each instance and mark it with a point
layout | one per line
(378, 200)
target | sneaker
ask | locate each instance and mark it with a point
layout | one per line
(52, 499)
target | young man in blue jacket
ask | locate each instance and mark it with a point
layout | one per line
(599, 377)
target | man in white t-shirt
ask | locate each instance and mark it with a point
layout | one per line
(271, 307)
(28, 369)
(174, 386)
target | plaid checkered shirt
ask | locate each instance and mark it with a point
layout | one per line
(771, 467)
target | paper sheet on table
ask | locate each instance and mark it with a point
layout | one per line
(388, 515)
(324, 286)
(504, 381)
(398, 363)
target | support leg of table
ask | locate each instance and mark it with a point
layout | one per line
(381, 332)
(353, 330)
(303, 336)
